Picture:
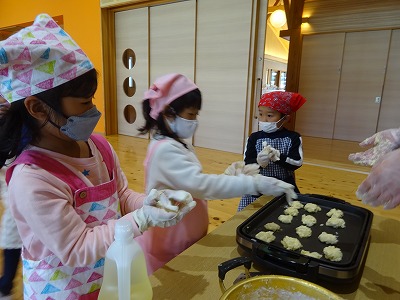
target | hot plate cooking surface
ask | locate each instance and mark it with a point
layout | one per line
(358, 221)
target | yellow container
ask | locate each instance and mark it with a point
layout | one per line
(277, 287)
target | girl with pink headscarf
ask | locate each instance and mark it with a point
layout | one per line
(170, 108)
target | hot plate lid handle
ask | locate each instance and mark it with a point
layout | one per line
(228, 265)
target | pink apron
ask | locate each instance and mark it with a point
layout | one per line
(160, 245)
(48, 278)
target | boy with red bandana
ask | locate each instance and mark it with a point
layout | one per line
(277, 150)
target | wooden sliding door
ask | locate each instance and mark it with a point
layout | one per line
(131, 38)
(212, 42)
(222, 67)
(361, 83)
(389, 116)
(321, 63)
(351, 82)
(172, 39)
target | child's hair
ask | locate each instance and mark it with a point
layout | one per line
(188, 100)
(18, 128)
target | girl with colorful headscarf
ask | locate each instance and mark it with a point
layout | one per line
(66, 186)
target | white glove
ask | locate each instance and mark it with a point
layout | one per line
(239, 167)
(274, 187)
(163, 208)
(272, 153)
(263, 159)
(382, 187)
(383, 142)
(267, 154)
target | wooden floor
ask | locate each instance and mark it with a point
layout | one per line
(325, 171)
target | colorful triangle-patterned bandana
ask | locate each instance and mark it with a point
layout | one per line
(38, 58)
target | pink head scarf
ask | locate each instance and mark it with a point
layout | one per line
(38, 58)
(284, 102)
(166, 89)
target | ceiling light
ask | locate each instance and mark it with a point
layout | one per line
(278, 18)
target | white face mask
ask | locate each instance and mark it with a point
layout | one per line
(270, 127)
(183, 128)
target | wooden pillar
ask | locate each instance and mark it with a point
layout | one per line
(294, 16)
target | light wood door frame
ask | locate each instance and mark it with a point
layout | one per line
(109, 71)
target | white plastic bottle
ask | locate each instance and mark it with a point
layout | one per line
(125, 271)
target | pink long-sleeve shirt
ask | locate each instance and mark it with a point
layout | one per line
(42, 206)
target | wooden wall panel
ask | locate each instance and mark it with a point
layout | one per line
(131, 31)
(363, 74)
(172, 39)
(319, 83)
(389, 116)
(222, 66)
(354, 15)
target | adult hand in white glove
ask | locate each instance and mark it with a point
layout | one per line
(274, 187)
(163, 208)
(239, 167)
(383, 142)
(382, 187)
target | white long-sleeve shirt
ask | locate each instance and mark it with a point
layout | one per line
(173, 166)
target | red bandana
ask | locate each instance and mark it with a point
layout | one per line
(284, 102)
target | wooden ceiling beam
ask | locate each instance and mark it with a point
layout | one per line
(286, 6)
(271, 9)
